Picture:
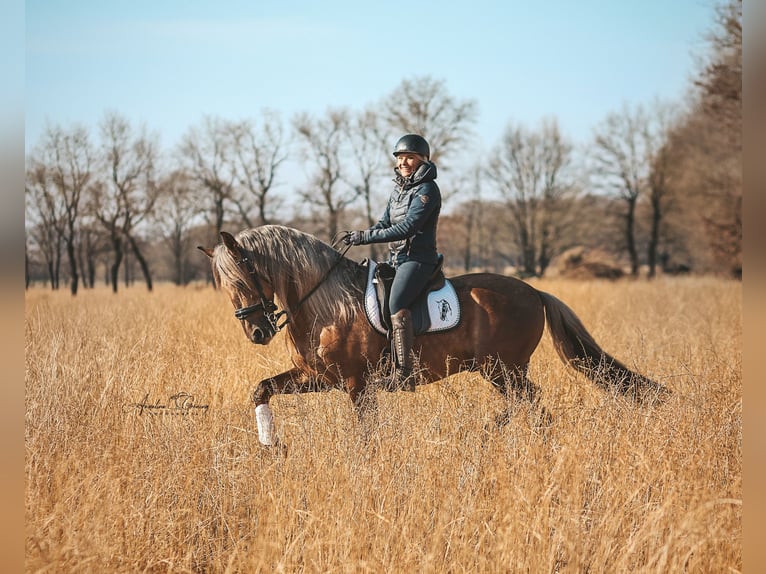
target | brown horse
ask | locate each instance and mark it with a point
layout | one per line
(333, 345)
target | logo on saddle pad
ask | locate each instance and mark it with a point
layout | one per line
(438, 311)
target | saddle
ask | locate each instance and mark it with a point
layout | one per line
(436, 308)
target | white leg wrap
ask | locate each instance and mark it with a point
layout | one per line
(265, 421)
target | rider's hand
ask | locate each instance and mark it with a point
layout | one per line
(353, 238)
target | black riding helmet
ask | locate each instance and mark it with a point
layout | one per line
(412, 143)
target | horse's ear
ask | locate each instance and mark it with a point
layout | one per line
(206, 250)
(230, 242)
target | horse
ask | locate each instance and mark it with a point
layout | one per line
(333, 345)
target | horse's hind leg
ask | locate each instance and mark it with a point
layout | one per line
(515, 385)
(365, 402)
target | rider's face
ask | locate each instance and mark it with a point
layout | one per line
(408, 163)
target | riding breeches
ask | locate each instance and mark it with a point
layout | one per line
(410, 279)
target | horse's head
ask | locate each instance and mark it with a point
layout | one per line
(251, 295)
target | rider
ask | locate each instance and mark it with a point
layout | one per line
(409, 226)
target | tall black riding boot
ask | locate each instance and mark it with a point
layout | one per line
(403, 338)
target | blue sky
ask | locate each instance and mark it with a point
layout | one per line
(167, 63)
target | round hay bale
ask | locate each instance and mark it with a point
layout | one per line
(586, 263)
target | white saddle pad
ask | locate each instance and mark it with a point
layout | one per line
(443, 306)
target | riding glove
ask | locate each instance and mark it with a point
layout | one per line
(354, 238)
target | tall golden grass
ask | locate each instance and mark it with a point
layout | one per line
(610, 487)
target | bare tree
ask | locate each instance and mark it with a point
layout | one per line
(424, 106)
(369, 143)
(720, 81)
(558, 189)
(56, 182)
(206, 155)
(43, 213)
(474, 231)
(258, 151)
(92, 243)
(176, 211)
(128, 193)
(324, 142)
(622, 167)
(531, 171)
(707, 146)
(656, 136)
(106, 208)
(476, 234)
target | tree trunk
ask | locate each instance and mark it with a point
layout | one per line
(127, 275)
(179, 273)
(630, 236)
(470, 227)
(91, 265)
(219, 216)
(51, 275)
(527, 253)
(142, 262)
(115, 273)
(467, 248)
(81, 265)
(544, 258)
(654, 237)
(56, 271)
(75, 278)
(332, 222)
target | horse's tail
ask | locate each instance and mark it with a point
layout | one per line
(577, 348)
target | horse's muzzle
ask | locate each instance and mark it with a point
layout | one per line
(260, 336)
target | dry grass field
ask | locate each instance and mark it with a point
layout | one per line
(112, 486)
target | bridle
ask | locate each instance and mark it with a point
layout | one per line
(267, 306)
(264, 304)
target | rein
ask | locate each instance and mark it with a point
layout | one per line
(322, 280)
(269, 307)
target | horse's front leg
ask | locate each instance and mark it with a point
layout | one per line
(292, 381)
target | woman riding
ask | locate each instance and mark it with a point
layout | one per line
(409, 226)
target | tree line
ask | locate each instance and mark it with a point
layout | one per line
(658, 185)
